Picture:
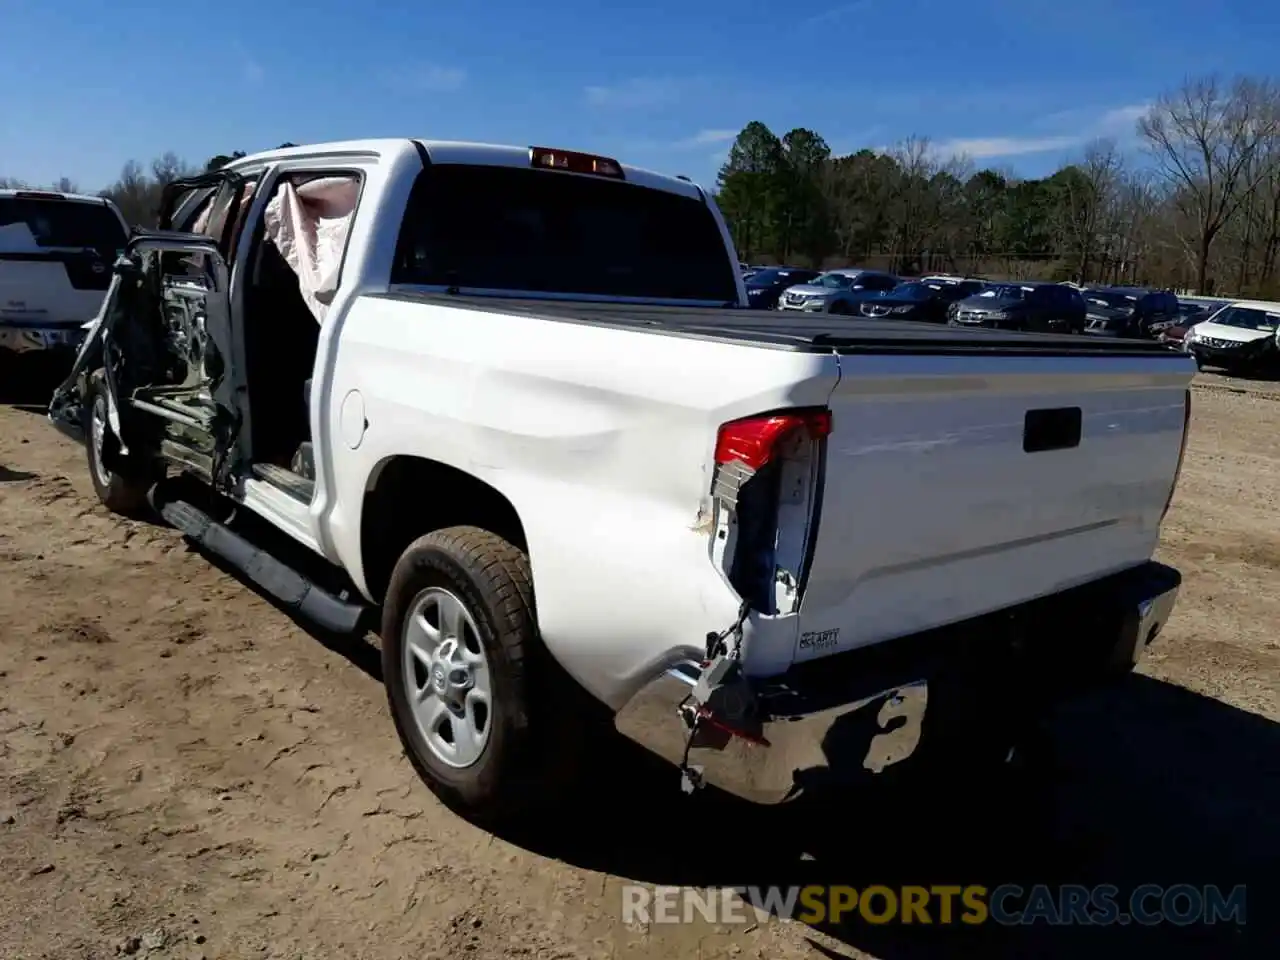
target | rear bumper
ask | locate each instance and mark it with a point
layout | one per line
(48, 340)
(811, 715)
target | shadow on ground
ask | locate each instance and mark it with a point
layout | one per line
(1152, 784)
(15, 476)
(30, 385)
(354, 648)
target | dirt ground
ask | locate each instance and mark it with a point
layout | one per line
(186, 772)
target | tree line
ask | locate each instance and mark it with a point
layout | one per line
(1196, 206)
(137, 190)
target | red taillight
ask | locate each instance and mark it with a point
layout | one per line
(754, 440)
(761, 539)
(1182, 453)
(575, 162)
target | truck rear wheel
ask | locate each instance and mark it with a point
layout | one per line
(121, 482)
(471, 689)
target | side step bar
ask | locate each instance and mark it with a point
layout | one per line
(284, 583)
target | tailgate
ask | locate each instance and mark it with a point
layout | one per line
(51, 287)
(955, 486)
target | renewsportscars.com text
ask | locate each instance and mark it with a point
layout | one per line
(1008, 904)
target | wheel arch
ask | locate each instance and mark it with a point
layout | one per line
(407, 496)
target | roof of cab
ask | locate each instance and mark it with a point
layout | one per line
(54, 195)
(1268, 306)
(449, 151)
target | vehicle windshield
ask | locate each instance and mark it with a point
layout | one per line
(774, 277)
(836, 281)
(539, 231)
(1006, 291)
(915, 290)
(1112, 299)
(41, 222)
(1188, 308)
(1247, 318)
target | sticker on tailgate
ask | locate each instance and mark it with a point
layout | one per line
(820, 639)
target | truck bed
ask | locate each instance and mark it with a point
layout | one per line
(965, 471)
(812, 332)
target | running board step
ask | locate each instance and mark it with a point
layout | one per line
(298, 487)
(284, 583)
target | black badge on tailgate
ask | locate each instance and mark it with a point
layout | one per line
(819, 639)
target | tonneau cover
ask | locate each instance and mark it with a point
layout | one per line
(803, 331)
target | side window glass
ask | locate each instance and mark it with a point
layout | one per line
(224, 217)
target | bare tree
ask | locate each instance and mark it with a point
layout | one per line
(911, 199)
(134, 194)
(1091, 187)
(1204, 140)
(167, 168)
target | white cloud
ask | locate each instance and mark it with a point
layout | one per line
(834, 13)
(981, 148)
(1122, 121)
(637, 92)
(1116, 123)
(705, 138)
(429, 78)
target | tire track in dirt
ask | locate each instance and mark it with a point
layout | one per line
(189, 773)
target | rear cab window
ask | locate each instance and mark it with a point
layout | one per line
(57, 223)
(491, 228)
(51, 242)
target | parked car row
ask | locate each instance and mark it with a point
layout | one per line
(1033, 306)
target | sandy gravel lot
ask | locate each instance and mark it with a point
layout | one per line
(186, 772)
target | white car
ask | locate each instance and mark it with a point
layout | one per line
(511, 403)
(56, 251)
(1240, 337)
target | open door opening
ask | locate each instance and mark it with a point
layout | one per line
(295, 258)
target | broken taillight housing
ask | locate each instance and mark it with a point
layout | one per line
(766, 493)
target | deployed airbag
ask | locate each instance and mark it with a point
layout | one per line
(309, 223)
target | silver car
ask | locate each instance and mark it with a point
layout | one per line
(817, 294)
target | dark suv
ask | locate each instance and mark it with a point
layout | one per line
(765, 286)
(1129, 312)
(918, 300)
(1018, 305)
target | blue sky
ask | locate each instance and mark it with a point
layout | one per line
(664, 84)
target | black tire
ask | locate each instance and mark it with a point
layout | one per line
(529, 754)
(121, 483)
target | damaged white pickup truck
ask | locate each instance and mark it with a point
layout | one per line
(514, 399)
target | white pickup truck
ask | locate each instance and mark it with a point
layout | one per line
(514, 400)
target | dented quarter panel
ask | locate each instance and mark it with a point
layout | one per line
(601, 438)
